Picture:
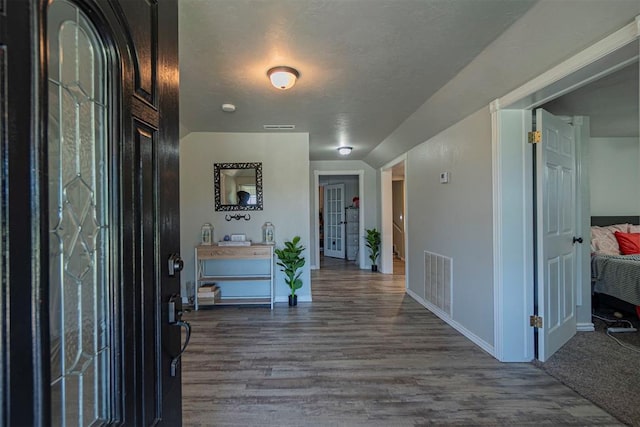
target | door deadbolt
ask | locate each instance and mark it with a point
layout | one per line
(175, 264)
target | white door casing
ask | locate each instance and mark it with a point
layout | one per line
(556, 224)
(512, 231)
(334, 240)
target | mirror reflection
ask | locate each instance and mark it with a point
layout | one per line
(238, 186)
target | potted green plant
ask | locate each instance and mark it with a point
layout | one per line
(291, 262)
(373, 243)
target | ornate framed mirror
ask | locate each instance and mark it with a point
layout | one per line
(238, 186)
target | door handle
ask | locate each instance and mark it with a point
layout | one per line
(175, 264)
(577, 239)
(175, 318)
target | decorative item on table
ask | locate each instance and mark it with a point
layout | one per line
(291, 262)
(206, 234)
(235, 239)
(209, 294)
(268, 234)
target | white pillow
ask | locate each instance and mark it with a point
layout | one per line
(603, 241)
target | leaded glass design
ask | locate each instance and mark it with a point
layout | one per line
(81, 343)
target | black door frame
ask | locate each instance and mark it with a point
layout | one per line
(25, 339)
(24, 264)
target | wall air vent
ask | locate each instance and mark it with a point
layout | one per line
(279, 127)
(438, 280)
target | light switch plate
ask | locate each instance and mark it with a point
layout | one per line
(444, 177)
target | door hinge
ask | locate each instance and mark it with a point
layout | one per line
(535, 321)
(535, 137)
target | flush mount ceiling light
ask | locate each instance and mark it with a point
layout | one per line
(228, 108)
(345, 151)
(283, 77)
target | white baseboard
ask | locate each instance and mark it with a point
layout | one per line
(585, 327)
(455, 325)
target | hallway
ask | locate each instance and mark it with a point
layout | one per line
(362, 354)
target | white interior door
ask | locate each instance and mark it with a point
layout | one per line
(556, 224)
(334, 220)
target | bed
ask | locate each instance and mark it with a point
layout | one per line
(613, 273)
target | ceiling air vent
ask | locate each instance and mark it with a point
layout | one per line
(279, 127)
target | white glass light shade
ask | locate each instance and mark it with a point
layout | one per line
(345, 150)
(283, 77)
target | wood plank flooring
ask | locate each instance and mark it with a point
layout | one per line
(362, 354)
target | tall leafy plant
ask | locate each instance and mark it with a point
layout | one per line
(291, 262)
(373, 243)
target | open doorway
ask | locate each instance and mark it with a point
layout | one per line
(608, 110)
(339, 221)
(398, 214)
(393, 212)
(602, 117)
(514, 196)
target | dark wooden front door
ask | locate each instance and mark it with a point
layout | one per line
(89, 211)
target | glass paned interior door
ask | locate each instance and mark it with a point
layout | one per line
(334, 220)
(79, 278)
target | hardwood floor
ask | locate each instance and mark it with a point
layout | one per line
(362, 354)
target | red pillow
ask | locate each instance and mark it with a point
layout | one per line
(629, 242)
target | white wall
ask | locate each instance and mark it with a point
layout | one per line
(614, 173)
(285, 161)
(368, 200)
(455, 219)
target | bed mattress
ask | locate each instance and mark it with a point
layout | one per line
(618, 276)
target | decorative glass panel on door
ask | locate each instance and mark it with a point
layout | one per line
(79, 278)
(334, 222)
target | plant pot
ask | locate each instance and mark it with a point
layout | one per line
(293, 300)
(374, 268)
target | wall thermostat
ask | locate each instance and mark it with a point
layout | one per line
(444, 177)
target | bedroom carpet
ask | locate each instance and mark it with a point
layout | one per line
(598, 368)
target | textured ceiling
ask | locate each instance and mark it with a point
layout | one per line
(365, 65)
